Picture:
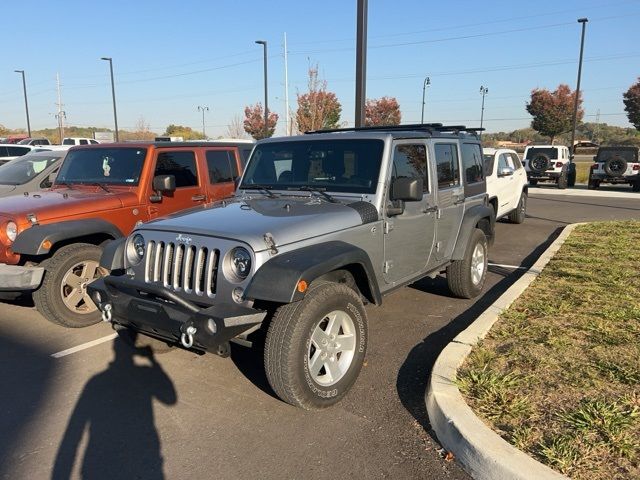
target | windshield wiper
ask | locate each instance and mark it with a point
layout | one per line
(66, 184)
(320, 190)
(266, 189)
(98, 184)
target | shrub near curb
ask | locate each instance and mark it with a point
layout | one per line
(559, 374)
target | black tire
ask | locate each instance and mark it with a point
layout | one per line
(519, 214)
(139, 341)
(289, 344)
(571, 179)
(562, 180)
(615, 166)
(533, 182)
(459, 273)
(540, 163)
(49, 297)
(635, 187)
(593, 184)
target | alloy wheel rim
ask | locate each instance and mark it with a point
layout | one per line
(332, 348)
(477, 264)
(73, 289)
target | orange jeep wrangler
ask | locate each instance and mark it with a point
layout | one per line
(51, 241)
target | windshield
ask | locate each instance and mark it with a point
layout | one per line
(629, 154)
(332, 165)
(552, 153)
(112, 166)
(20, 170)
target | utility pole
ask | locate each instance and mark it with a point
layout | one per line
(286, 87)
(113, 94)
(361, 61)
(483, 91)
(583, 21)
(26, 104)
(61, 115)
(427, 82)
(204, 109)
(266, 95)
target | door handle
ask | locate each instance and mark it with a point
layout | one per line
(199, 198)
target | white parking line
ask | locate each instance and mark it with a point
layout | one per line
(513, 267)
(84, 346)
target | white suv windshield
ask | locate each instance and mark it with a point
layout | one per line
(112, 166)
(23, 169)
(332, 165)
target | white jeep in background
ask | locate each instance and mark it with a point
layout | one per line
(549, 163)
(506, 184)
(616, 165)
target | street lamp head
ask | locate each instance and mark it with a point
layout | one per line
(19, 71)
(106, 58)
(261, 42)
(583, 20)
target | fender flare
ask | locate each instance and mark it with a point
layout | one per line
(113, 255)
(472, 217)
(277, 280)
(30, 241)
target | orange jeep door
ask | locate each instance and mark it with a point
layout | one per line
(183, 166)
(223, 170)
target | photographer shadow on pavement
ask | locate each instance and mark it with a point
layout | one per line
(116, 411)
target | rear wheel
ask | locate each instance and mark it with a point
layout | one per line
(466, 277)
(571, 180)
(315, 348)
(593, 184)
(635, 187)
(518, 215)
(562, 180)
(533, 182)
(63, 298)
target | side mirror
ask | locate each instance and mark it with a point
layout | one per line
(505, 172)
(164, 183)
(407, 189)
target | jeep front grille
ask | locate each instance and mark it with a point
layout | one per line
(182, 267)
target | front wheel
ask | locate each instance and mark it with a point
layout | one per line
(315, 348)
(63, 298)
(518, 215)
(466, 277)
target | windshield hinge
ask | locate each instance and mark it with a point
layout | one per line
(270, 243)
(388, 226)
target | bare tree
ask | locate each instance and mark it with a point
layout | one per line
(236, 128)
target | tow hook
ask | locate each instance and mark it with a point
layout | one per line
(107, 312)
(187, 337)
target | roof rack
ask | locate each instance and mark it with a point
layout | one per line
(429, 127)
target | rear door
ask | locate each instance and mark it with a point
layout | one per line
(222, 166)
(183, 165)
(504, 185)
(450, 197)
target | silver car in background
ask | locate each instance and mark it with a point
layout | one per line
(29, 173)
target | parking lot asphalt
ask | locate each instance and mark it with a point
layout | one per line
(102, 412)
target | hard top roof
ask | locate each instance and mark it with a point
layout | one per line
(142, 143)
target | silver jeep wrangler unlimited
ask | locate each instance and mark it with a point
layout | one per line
(320, 224)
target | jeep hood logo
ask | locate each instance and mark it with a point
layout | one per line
(184, 239)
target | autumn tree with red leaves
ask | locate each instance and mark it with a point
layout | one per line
(382, 111)
(318, 109)
(552, 112)
(631, 100)
(254, 122)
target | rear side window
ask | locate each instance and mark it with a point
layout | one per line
(222, 166)
(473, 169)
(181, 165)
(83, 142)
(410, 161)
(93, 142)
(68, 141)
(447, 165)
(18, 151)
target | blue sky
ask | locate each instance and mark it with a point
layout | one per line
(170, 57)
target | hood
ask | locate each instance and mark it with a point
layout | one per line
(53, 204)
(6, 190)
(288, 220)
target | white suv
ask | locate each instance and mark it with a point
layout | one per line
(549, 163)
(616, 165)
(79, 141)
(506, 184)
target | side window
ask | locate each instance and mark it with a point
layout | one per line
(93, 142)
(180, 164)
(447, 165)
(4, 152)
(517, 164)
(472, 167)
(502, 161)
(83, 142)
(410, 161)
(17, 151)
(222, 166)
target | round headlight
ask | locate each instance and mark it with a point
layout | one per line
(135, 249)
(240, 262)
(11, 231)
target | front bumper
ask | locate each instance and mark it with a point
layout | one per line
(158, 312)
(16, 278)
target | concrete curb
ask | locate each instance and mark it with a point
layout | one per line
(481, 451)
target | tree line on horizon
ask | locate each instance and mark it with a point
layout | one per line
(320, 109)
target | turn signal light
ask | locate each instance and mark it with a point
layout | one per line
(558, 164)
(302, 286)
(636, 167)
(46, 244)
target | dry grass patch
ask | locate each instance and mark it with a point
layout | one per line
(559, 374)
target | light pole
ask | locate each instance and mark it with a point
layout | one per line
(266, 94)
(204, 109)
(361, 61)
(583, 21)
(26, 104)
(483, 91)
(113, 94)
(427, 82)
